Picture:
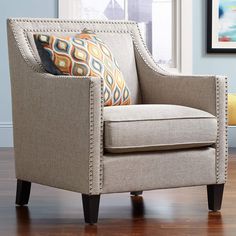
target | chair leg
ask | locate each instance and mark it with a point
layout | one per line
(215, 195)
(22, 192)
(136, 193)
(91, 208)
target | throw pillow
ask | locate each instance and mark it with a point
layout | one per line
(84, 55)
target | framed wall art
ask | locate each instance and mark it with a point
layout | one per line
(221, 26)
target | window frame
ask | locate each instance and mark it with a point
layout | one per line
(182, 32)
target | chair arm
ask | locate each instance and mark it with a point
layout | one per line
(193, 91)
(58, 130)
(208, 93)
(57, 122)
(160, 86)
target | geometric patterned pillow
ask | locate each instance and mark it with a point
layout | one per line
(84, 55)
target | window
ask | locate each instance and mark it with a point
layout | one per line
(158, 21)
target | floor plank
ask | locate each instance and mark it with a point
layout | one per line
(164, 212)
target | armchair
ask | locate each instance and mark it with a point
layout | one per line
(173, 135)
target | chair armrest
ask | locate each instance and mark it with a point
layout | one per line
(160, 86)
(58, 130)
(57, 122)
(208, 93)
(199, 92)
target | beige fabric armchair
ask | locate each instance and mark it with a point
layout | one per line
(173, 135)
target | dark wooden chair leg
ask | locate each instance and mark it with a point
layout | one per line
(136, 193)
(91, 208)
(22, 192)
(215, 195)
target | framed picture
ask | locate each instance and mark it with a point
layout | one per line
(221, 26)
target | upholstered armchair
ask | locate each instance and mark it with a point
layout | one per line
(173, 135)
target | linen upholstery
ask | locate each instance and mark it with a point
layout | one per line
(47, 134)
(204, 92)
(58, 129)
(157, 127)
(84, 54)
(154, 170)
(116, 34)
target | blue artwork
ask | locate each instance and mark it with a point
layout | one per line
(227, 20)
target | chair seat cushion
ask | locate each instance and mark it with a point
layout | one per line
(137, 128)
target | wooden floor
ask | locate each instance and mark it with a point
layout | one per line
(164, 212)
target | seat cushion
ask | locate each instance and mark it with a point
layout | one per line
(137, 128)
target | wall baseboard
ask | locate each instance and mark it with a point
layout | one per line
(6, 125)
(6, 134)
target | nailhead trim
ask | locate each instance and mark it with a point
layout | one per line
(75, 31)
(218, 127)
(31, 50)
(226, 128)
(91, 133)
(54, 20)
(157, 68)
(91, 139)
(218, 130)
(20, 48)
(101, 136)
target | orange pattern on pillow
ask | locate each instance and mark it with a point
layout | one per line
(85, 55)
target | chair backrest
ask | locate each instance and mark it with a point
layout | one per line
(119, 35)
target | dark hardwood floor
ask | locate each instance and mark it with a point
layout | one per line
(171, 212)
